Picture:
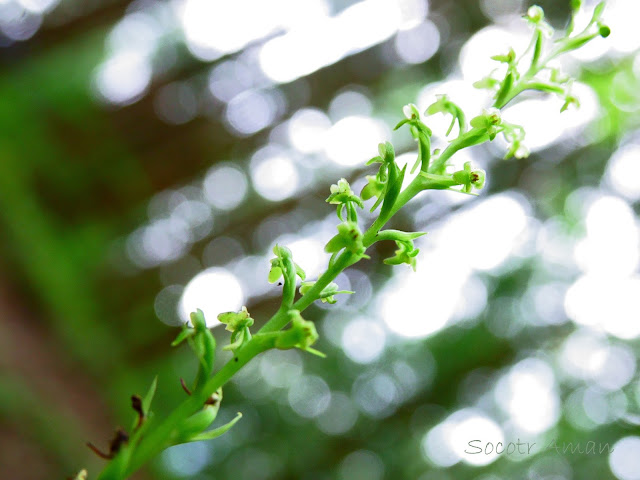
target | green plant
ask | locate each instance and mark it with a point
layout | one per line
(190, 420)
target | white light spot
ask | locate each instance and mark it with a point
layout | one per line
(607, 302)
(472, 427)
(349, 103)
(307, 252)
(229, 79)
(187, 459)
(225, 186)
(363, 341)
(435, 445)
(497, 223)
(623, 171)
(616, 367)
(340, 417)
(310, 47)
(307, 129)
(446, 443)
(576, 350)
(489, 41)
(436, 284)
(123, 78)
(625, 459)
(18, 23)
(528, 393)
(136, 29)
(39, 6)
(274, 175)
(488, 231)
(309, 396)
(620, 16)
(376, 395)
(163, 240)
(353, 140)
(166, 305)
(499, 9)
(280, 368)
(418, 44)
(253, 110)
(216, 28)
(213, 291)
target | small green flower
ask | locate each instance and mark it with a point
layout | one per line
(350, 237)
(509, 57)
(406, 253)
(488, 83)
(238, 324)
(445, 106)
(373, 188)
(514, 135)
(411, 112)
(469, 178)
(490, 121)
(342, 193)
(346, 199)
(277, 264)
(302, 335)
(236, 320)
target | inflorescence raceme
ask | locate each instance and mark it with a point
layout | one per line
(287, 329)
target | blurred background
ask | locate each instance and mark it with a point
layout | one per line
(153, 152)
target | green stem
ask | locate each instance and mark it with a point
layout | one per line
(156, 439)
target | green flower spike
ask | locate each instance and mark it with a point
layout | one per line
(327, 293)
(302, 335)
(470, 178)
(238, 324)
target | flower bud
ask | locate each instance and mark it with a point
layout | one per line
(535, 14)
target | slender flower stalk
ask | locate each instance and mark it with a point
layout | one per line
(287, 328)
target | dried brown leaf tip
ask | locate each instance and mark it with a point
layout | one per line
(120, 438)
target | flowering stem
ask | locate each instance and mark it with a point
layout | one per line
(350, 245)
